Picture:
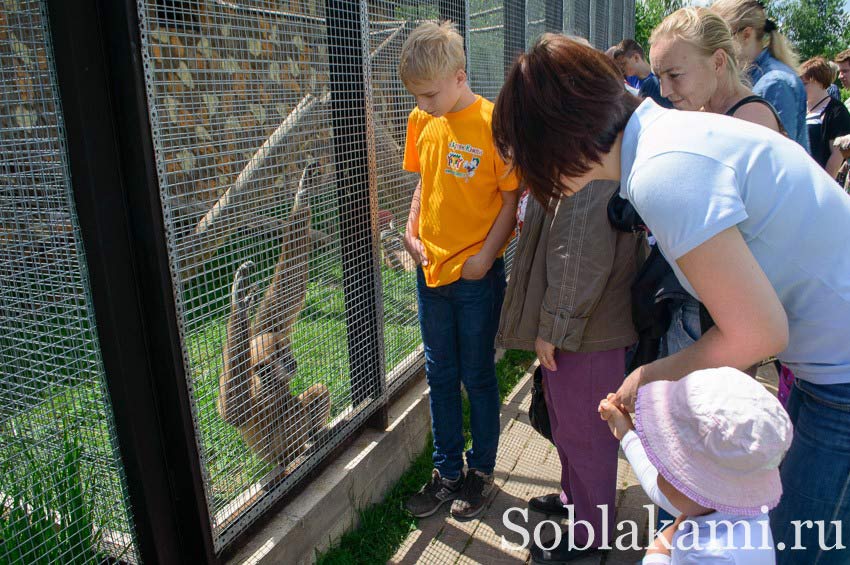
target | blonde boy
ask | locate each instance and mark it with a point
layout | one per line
(461, 216)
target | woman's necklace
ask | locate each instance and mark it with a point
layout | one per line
(821, 101)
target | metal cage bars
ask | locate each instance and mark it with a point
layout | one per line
(122, 222)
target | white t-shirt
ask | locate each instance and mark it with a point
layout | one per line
(718, 539)
(691, 175)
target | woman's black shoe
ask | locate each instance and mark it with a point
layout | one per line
(560, 554)
(548, 504)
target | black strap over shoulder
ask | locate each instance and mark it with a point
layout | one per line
(759, 100)
(623, 216)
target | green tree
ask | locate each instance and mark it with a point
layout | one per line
(815, 27)
(648, 14)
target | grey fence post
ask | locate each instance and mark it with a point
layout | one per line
(116, 194)
(350, 81)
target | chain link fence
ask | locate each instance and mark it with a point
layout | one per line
(63, 494)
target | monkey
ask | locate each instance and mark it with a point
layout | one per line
(254, 392)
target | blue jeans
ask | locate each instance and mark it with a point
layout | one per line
(683, 332)
(459, 323)
(815, 476)
(684, 328)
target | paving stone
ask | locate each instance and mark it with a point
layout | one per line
(527, 466)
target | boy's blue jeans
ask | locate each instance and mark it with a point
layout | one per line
(459, 323)
(815, 477)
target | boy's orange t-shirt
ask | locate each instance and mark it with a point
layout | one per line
(462, 176)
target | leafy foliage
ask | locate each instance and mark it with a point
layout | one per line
(47, 508)
(648, 14)
(815, 27)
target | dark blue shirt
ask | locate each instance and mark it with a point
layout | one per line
(650, 87)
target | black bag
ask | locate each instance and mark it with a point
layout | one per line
(537, 413)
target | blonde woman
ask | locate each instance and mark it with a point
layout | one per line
(770, 61)
(693, 55)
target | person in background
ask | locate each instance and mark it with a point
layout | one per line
(770, 61)
(833, 89)
(630, 58)
(693, 55)
(826, 118)
(843, 62)
(631, 85)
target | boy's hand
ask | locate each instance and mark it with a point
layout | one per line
(475, 268)
(546, 353)
(415, 248)
(618, 419)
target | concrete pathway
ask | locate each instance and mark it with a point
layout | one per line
(528, 466)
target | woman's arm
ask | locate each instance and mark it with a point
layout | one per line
(836, 159)
(750, 321)
(758, 113)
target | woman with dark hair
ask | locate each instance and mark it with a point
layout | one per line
(827, 117)
(749, 223)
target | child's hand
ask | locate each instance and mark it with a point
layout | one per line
(475, 268)
(414, 246)
(618, 419)
(663, 543)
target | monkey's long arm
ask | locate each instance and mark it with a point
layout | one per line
(285, 297)
(234, 398)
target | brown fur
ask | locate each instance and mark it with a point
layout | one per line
(254, 391)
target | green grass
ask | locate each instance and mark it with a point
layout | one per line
(49, 516)
(321, 350)
(384, 526)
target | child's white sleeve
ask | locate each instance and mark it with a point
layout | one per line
(656, 559)
(646, 473)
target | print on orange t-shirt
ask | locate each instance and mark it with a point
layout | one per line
(462, 176)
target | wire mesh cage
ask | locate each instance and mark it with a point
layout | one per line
(62, 486)
(599, 31)
(628, 18)
(616, 27)
(279, 130)
(239, 96)
(581, 19)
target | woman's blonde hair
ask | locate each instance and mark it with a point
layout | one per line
(741, 14)
(703, 29)
(432, 51)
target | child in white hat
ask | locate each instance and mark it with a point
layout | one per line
(707, 448)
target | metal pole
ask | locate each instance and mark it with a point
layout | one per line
(101, 83)
(350, 79)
